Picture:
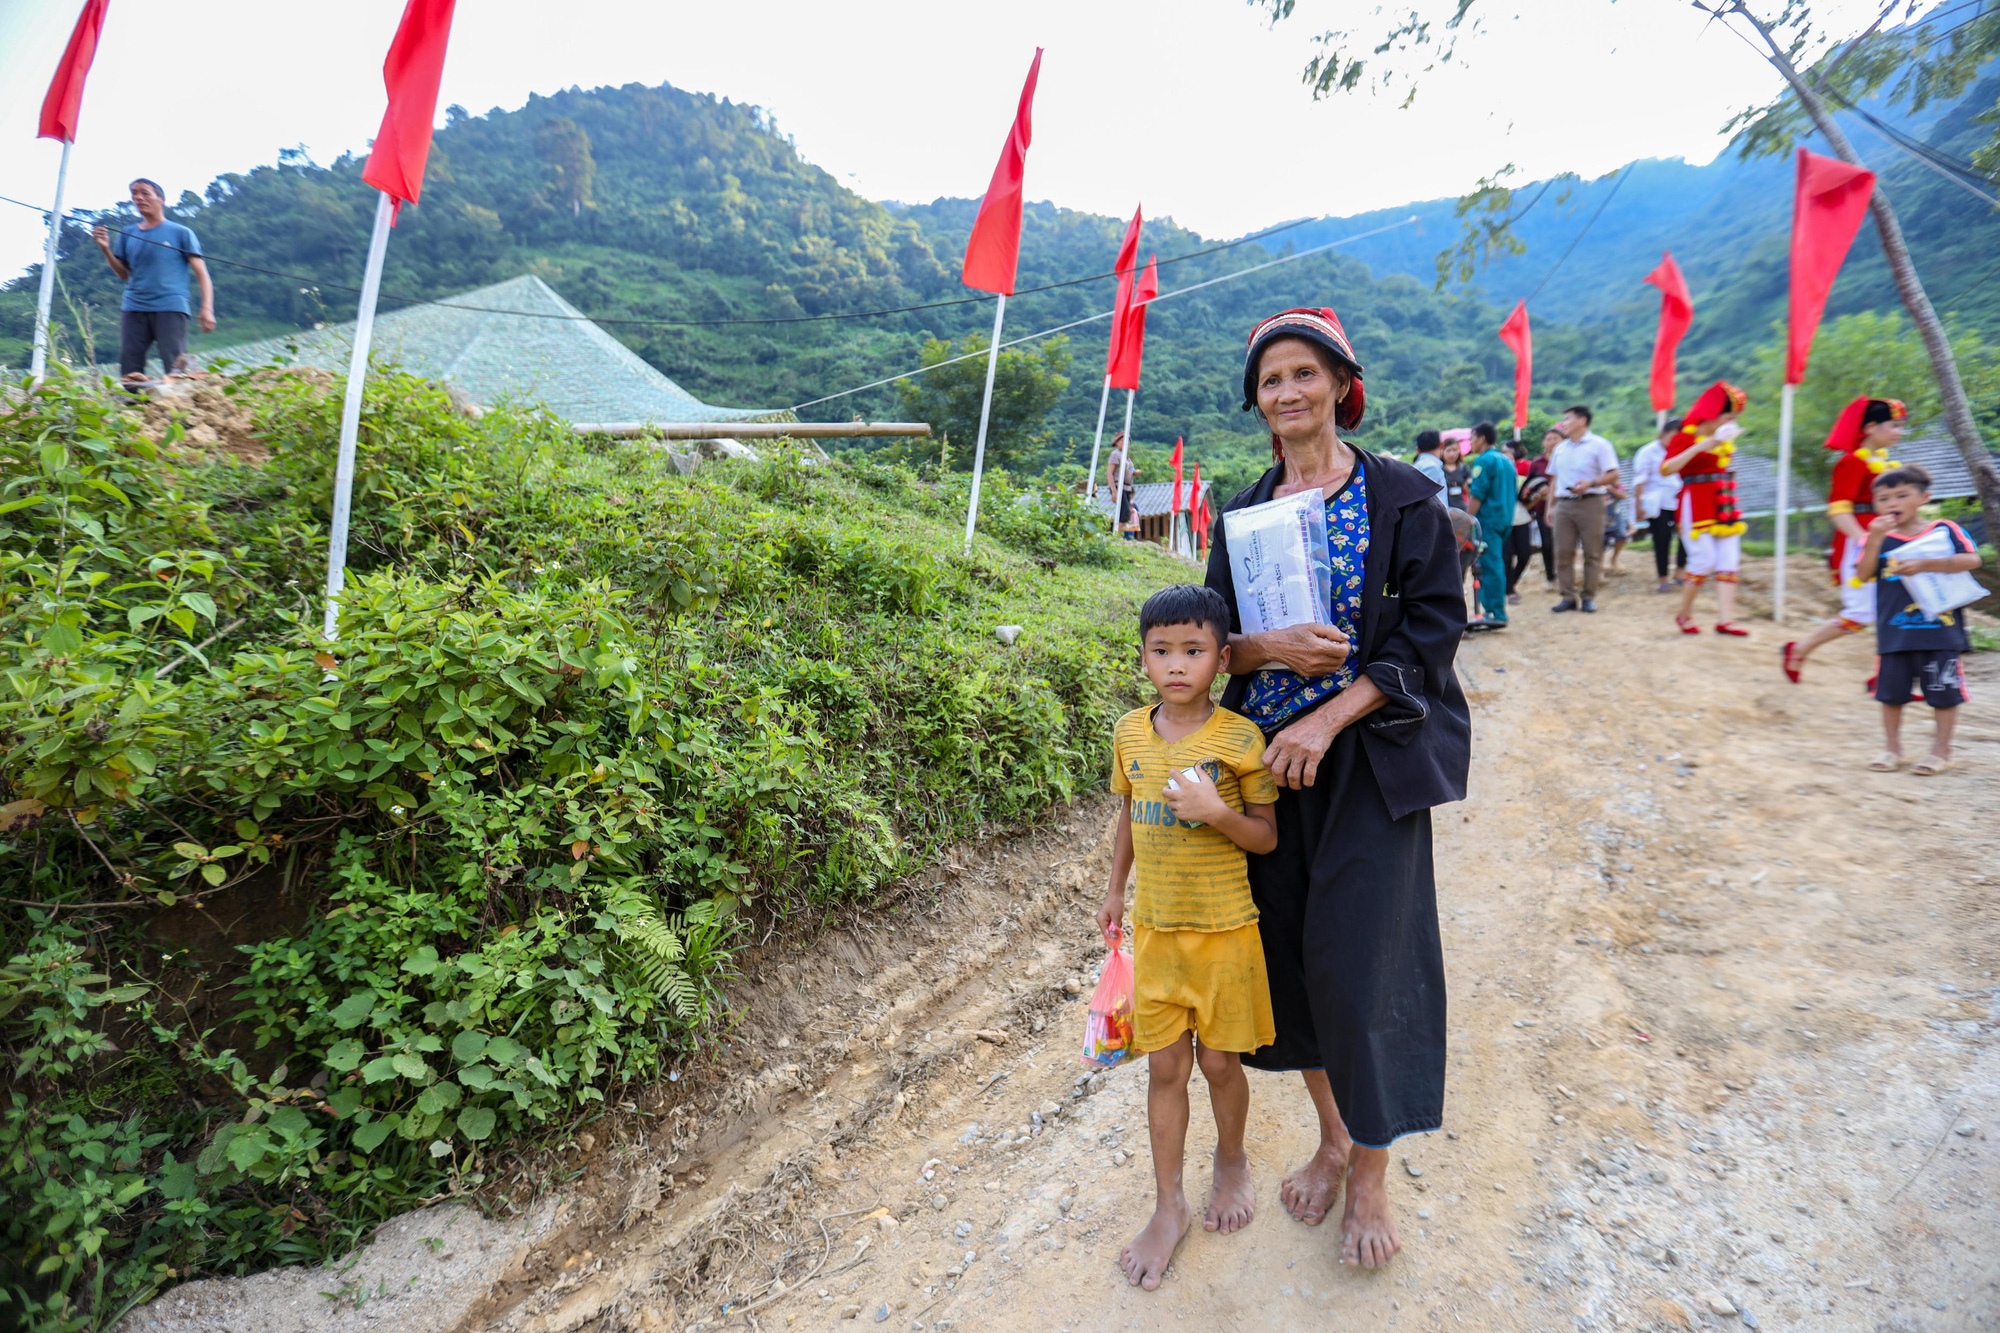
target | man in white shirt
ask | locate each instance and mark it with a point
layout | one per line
(1655, 496)
(1583, 468)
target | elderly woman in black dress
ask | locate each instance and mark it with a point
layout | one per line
(1367, 730)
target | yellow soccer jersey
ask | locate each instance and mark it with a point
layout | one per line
(1190, 878)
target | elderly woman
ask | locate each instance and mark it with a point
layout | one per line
(1367, 730)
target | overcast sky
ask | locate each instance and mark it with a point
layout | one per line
(1192, 106)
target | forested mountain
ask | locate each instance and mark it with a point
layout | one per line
(652, 204)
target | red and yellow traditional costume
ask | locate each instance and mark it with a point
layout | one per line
(1711, 525)
(1853, 492)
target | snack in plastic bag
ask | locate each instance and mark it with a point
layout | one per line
(1107, 1038)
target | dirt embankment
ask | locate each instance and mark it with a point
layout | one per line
(1723, 1055)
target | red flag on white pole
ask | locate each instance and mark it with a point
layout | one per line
(1516, 334)
(412, 71)
(993, 251)
(65, 96)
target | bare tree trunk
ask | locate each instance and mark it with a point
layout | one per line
(1951, 389)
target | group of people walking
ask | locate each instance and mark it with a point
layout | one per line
(1569, 501)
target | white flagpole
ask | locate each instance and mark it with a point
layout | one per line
(1103, 400)
(350, 415)
(1659, 421)
(1118, 490)
(40, 360)
(985, 412)
(1784, 502)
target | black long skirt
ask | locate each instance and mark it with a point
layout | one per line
(1347, 905)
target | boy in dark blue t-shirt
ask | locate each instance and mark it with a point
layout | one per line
(1916, 650)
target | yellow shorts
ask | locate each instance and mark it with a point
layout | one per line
(1212, 982)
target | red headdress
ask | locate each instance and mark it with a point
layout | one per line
(1855, 419)
(1322, 328)
(1717, 398)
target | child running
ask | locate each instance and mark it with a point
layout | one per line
(1197, 797)
(1916, 650)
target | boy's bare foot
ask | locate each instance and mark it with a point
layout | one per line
(1368, 1232)
(1146, 1256)
(1233, 1200)
(1308, 1193)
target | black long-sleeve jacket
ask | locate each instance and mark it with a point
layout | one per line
(1419, 743)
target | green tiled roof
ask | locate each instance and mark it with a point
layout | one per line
(573, 367)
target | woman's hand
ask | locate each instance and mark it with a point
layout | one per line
(1309, 650)
(1294, 753)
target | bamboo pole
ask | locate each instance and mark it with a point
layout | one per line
(38, 365)
(350, 414)
(985, 414)
(1784, 503)
(1118, 490)
(1103, 401)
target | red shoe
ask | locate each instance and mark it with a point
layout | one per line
(1687, 624)
(1730, 628)
(1791, 671)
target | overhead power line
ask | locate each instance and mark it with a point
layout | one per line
(1106, 314)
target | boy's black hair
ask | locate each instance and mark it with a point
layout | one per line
(1429, 442)
(1581, 411)
(1186, 604)
(1485, 431)
(1909, 474)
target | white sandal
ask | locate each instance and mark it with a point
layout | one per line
(1886, 762)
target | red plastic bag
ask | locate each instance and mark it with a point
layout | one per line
(1107, 1037)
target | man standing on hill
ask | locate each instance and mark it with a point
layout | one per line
(1584, 467)
(1490, 487)
(154, 260)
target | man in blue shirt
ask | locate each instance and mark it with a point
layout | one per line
(154, 259)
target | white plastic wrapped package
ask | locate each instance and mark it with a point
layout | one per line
(1279, 562)
(1936, 594)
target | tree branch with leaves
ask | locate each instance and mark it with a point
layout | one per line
(1916, 63)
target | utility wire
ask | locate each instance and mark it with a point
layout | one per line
(1612, 193)
(1106, 314)
(1959, 181)
(683, 323)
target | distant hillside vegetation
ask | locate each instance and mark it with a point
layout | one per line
(654, 204)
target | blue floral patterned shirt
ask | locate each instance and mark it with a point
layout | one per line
(1276, 695)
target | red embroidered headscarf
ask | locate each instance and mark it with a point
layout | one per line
(1854, 420)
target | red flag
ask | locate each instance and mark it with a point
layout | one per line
(411, 71)
(1200, 511)
(1128, 262)
(993, 251)
(1676, 313)
(65, 95)
(1132, 347)
(1827, 207)
(1515, 334)
(1175, 462)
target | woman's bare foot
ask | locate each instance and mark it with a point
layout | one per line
(1368, 1232)
(1309, 1192)
(1146, 1256)
(1232, 1202)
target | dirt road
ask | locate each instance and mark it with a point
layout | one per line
(1723, 1055)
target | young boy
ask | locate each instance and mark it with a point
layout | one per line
(1197, 797)
(1915, 649)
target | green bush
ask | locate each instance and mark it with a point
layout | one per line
(585, 720)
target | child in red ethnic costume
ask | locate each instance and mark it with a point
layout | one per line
(1864, 433)
(1710, 523)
